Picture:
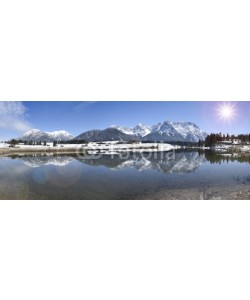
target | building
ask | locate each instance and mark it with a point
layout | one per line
(231, 142)
(227, 142)
(50, 144)
(236, 141)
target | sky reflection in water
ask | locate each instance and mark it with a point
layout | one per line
(131, 177)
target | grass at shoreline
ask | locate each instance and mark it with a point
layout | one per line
(7, 151)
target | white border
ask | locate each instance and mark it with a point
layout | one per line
(124, 250)
(116, 50)
(132, 50)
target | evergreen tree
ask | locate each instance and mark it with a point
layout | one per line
(13, 142)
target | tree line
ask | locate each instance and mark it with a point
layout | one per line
(211, 140)
(215, 138)
(44, 143)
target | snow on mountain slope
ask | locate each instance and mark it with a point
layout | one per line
(108, 134)
(60, 135)
(176, 131)
(139, 130)
(189, 131)
(38, 135)
(142, 130)
(166, 131)
(34, 134)
(126, 130)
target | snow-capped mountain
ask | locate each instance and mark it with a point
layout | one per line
(139, 130)
(161, 132)
(166, 131)
(109, 134)
(60, 135)
(38, 135)
(176, 131)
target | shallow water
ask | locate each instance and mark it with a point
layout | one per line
(166, 175)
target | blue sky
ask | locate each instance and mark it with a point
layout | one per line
(77, 117)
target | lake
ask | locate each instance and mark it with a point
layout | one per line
(166, 175)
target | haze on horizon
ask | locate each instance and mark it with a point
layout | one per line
(77, 117)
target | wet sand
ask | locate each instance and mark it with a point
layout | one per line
(210, 193)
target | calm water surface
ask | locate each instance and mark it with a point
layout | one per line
(179, 175)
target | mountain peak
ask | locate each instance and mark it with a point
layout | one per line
(139, 130)
(32, 131)
(166, 131)
(38, 135)
(108, 134)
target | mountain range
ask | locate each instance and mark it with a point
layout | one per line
(164, 132)
(109, 134)
(182, 163)
(38, 135)
(167, 132)
(139, 130)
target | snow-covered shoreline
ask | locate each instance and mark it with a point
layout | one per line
(107, 148)
(111, 147)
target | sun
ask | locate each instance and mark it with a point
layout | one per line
(227, 112)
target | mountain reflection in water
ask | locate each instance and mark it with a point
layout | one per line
(166, 162)
(163, 162)
(181, 174)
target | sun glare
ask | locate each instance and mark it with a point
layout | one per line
(227, 112)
